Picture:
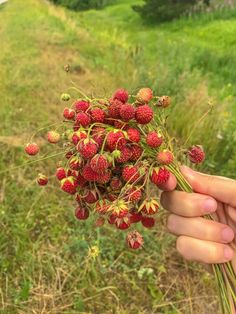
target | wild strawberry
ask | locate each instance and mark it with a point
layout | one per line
(149, 207)
(160, 176)
(102, 206)
(122, 95)
(81, 105)
(118, 124)
(134, 240)
(89, 174)
(165, 157)
(127, 112)
(148, 222)
(144, 114)
(90, 196)
(164, 101)
(69, 154)
(144, 95)
(69, 114)
(111, 219)
(136, 151)
(115, 184)
(76, 163)
(98, 135)
(115, 140)
(99, 222)
(32, 149)
(78, 136)
(135, 217)
(133, 135)
(134, 194)
(119, 208)
(196, 154)
(112, 197)
(53, 137)
(81, 213)
(97, 115)
(83, 119)
(154, 139)
(99, 163)
(68, 185)
(87, 148)
(80, 180)
(125, 154)
(65, 97)
(130, 174)
(42, 179)
(114, 109)
(60, 173)
(104, 178)
(123, 223)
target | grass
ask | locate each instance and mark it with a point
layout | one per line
(48, 262)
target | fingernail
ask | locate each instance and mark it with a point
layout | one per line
(209, 205)
(227, 234)
(228, 253)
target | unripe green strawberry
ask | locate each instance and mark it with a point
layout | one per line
(65, 97)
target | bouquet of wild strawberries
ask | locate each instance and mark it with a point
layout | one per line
(116, 150)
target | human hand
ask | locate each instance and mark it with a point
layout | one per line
(201, 239)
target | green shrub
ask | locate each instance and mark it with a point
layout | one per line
(83, 4)
(165, 10)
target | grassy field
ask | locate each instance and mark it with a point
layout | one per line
(49, 262)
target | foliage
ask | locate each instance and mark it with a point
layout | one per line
(83, 4)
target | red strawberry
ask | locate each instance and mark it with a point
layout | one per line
(133, 135)
(134, 240)
(104, 177)
(122, 95)
(120, 209)
(42, 179)
(134, 194)
(127, 112)
(81, 213)
(69, 114)
(123, 223)
(116, 140)
(112, 197)
(149, 207)
(69, 154)
(87, 148)
(99, 163)
(83, 119)
(164, 101)
(89, 174)
(60, 173)
(154, 139)
(125, 154)
(135, 217)
(115, 184)
(136, 152)
(32, 149)
(76, 163)
(144, 95)
(196, 154)
(165, 157)
(111, 219)
(114, 109)
(68, 185)
(81, 105)
(144, 114)
(77, 136)
(160, 176)
(98, 135)
(80, 180)
(118, 124)
(97, 115)
(90, 196)
(53, 137)
(130, 174)
(148, 222)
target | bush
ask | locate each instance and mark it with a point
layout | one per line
(165, 10)
(83, 4)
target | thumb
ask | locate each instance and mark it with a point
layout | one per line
(220, 188)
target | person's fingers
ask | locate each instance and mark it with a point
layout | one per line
(200, 228)
(188, 204)
(170, 185)
(203, 251)
(222, 189)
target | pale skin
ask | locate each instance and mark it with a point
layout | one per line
(200, 239)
